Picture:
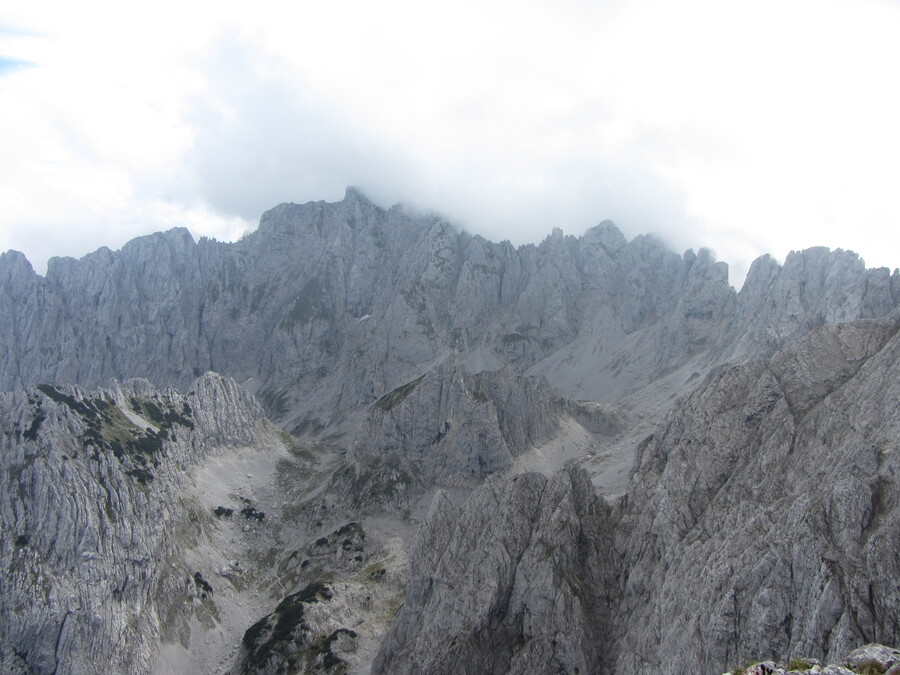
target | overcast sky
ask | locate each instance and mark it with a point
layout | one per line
(746, 127)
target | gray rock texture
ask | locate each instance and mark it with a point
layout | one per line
(873, 655)
(763, 514)
(327, 307)
(93, 519)
(147, 530)
(813, 288)
(454, 425)
(513, 583)
(762, 517)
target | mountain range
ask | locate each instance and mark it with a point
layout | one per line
(361, 440)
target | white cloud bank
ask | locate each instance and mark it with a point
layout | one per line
(745, 127)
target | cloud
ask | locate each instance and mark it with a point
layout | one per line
(742, 127)
(264, 136)
(261, 139)
(13, 30)
(12, 36)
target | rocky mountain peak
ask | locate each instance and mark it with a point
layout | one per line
(355, 194)
(321, 285)
(607, 235)
(14, 267)
(814, 287)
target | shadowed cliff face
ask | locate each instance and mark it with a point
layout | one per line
(458, 426)
(516, 581)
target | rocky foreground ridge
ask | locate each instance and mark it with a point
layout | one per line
(590, 455)
(94, 517)
(870, 658)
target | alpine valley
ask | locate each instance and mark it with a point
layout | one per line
(360, 440)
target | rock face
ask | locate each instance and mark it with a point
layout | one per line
(142, 526)
(329, 306)
(515, 582)
(815, 287)
(455, 425)
(93, 518)
(763, 515)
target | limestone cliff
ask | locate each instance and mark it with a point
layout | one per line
(513, 583)
(95, 521)
(457, 425)
(764, 514)
(762, 517)
(327, 307)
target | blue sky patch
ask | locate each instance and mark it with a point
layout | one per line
(9, 65)
(16, 31)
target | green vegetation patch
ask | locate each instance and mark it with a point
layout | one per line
(320, 650)
(513, 338)
(251, 513)
(799, 664)
(203, 586)
(375, 572)
(31, 431)
(162, 415)
(142, 476)
(394, 398)
(107, 428)
(870, 667)
(351, 530)
(308, 305)
(85, 409)
(273, 634)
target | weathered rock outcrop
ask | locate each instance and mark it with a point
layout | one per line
(761, 516)
(94, 520)
(764, 515)
(292, 639)
(514, 583)
(870, 658)
(455, 425)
